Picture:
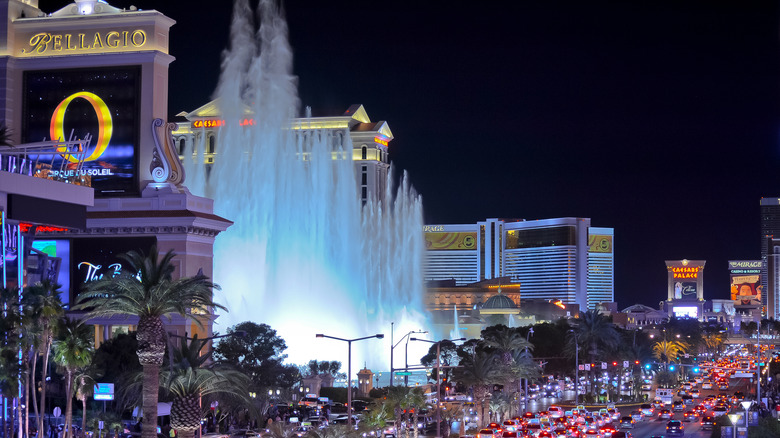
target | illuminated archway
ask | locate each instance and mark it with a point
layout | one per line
(105, 124)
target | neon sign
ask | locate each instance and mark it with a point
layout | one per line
(685, 272)
(45, 42)
(381, 141)
(105, 124)
(216, 123)
(25, 227)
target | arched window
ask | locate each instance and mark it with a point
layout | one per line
(212, 144)
(182, 144)
(363, 152)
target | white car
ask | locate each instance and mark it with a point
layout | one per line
(706, 385)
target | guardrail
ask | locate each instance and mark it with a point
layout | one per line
(53, 160)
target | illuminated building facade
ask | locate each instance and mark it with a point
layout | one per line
(553, 259)
(84, 93)
(370, 140)
(770, 234)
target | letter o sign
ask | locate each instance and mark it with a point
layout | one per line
(105, 124)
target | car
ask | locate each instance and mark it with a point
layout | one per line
(509, 434)
(647, 409)
(678, 406)
(665, 414)
(627, 422)
(707, 422)
(637, 415)
(717, 411)
(555, 412)
(690, 415)
(695, 393)
(706, 385)
(723, 386)
(647, 387)
(675, 428)
(485, 433)
(622, 434)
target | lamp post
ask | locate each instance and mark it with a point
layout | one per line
(734, 418)
(406, 355)
(237, 333)
(438, 378)
(576, 367)
(349, 367)
(746, 406)
(525, 389)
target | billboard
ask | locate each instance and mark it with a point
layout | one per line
(74, 104)
(686, 312)
(599, 243)
(745, 278)
(450, 241)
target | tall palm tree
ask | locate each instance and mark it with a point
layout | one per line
(44, 306)
(73, 349)
(376, 418)
(597, 335)
(10, 327)
(85, 379)
(480, 371)
(150, 293)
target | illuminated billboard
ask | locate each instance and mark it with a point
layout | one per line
(450, 241)
(686, 312)
(599, 243)
(75, 104)
(745, 278)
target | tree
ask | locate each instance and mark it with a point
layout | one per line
(150, 293)
(377, 416)
(72, 350)
(44, 306)
(596, 334)
(480, 371)
(85, 379)
(258, 352)
(666, 350)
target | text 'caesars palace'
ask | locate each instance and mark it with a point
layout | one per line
(94, 78)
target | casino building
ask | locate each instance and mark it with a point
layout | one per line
(563, 259)
(199, 130)
(94, 172)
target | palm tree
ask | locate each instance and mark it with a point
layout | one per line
(85, 379)
(44, 305)
(150, 293)
(416, 401)
(10, 327)
(596, 334)
(665, 350)
(480, 371)
(403, 399)
(376, 418)
(72, 350)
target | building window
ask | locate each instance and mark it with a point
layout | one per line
(363, 152)
(364, 193)
(364, 178)
(182, 145)
(212, 144)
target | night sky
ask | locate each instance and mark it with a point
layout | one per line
(659, 119)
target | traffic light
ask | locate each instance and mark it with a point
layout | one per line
(647, 366)
(614, 364)
(695, 369)
(671, 367)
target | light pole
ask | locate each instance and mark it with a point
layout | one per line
(734, 418)
(349, 367)
(576, 367)
(438, 378)
(746, 406)
(406, 359)
(525, 389)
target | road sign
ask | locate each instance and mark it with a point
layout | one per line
(100, 425)
(403, 373)
(57, 412)
(587, 367)
(603, 365)
(625, 364)
(104, 391)
(582, 368)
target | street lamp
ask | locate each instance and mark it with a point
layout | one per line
(734, 418)
(576, 367)
(746, 406)
(438, 378)
(349, 367)
(406, 355)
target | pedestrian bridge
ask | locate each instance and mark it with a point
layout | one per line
(740, 339)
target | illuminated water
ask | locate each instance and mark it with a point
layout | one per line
(303, 256)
